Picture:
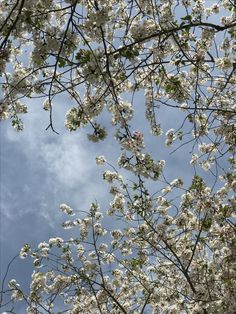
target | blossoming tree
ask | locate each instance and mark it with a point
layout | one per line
(174, 251)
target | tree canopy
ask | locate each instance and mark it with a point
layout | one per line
(174, 250)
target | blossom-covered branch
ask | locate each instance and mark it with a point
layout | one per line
(174, 248)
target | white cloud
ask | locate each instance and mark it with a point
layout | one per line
(68, 161)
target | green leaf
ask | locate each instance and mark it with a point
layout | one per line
(180, 135)
(61, 62)
(197, 183)
(207, 224)
(187, 18)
